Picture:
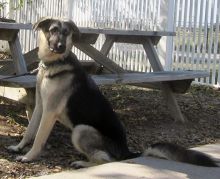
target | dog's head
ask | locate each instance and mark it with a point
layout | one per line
(55, 38)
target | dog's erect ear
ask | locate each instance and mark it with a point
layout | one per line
(43, 23)
(75, 29)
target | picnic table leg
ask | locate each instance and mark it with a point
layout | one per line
(99, 57)
(167, 92)
(20, 67)
(17, 56)
(106, 47)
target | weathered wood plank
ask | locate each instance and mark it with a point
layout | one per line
(165, 87)
(129, 33)
(99, 57)
(27, 81)
(106, 47)
(177, 86)
(152, 55)
(108, 79)
(136, 39)
(16, 53)
(133, 78)
(88, 38)
(9, 25)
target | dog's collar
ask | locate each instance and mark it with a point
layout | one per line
(46, 65)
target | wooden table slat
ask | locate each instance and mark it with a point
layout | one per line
(7, 25)
(126, 78)
(27, 81)
(119, 32)
(130, 78)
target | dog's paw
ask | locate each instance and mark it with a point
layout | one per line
(80, 164)
(13, 148)
(23, 158)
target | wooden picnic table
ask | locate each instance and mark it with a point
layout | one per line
(167, 81)
(148, 39)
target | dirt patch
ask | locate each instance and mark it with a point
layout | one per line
(143, 113)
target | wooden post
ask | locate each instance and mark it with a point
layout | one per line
(106, 47)
(167, 92)
(109, 41)
(17, 56)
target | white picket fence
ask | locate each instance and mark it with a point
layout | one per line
(197, 43)
(196, 22)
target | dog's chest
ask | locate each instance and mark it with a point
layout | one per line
(49, 88)
(55, 93)
(54, 89)
(52, 84)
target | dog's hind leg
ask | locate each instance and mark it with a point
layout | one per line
(89, 141)
(32, 127)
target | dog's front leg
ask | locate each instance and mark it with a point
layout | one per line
(32, 126)
(47, 122)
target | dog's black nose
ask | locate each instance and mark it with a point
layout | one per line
(61, 47)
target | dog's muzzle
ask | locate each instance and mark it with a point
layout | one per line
(59, 48)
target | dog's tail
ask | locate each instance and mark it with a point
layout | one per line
(177, 153)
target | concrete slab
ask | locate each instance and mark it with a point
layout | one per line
(147, 167)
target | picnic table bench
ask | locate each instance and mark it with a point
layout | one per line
(168, 81)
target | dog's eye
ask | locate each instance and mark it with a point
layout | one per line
(65, 32)
(54, 30)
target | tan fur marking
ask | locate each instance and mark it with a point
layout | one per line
(154, 152)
